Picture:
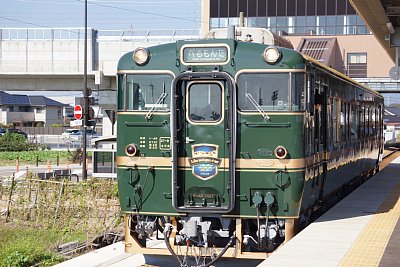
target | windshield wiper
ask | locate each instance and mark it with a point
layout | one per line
(149, 114)
(258, 107)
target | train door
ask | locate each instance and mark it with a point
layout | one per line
(204, 146)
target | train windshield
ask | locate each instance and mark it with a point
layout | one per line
(205, 102)
(271, 91)
(145, 92)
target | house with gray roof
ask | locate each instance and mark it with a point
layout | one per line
(24, 110)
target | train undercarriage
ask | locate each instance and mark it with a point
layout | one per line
(201, 241)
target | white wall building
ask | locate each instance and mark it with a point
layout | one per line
(26, 110)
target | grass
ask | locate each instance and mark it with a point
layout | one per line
(22, 246)
(30, 157)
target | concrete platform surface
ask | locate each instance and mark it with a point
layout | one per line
(328, 240)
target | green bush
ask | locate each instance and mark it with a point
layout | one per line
(76, 156)
(18, 259)
(7, 157)
(28, 246)
(15, 142)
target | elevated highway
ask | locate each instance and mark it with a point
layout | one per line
(52, 59)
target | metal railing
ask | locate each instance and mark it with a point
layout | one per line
(62, 34)
(380, 84)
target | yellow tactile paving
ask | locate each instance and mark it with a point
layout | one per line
(369, 247)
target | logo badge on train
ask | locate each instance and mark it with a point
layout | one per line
(205, 161)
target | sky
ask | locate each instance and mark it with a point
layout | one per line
(102, 14)
(108, 15)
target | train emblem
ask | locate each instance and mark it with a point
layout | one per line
(204, 161)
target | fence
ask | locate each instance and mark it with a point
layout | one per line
(43, 130)
(88, 206)
(49, 130)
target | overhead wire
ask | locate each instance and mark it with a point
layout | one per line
(139, 11)
(100, 3)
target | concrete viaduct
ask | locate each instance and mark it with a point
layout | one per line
(51, 59)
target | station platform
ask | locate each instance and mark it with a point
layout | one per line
(361, 230)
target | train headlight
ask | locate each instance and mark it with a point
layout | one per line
(141, 55)
(272, 55)
(280, 152)
(131, 150)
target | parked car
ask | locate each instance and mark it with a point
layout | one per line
(69, 132)
(77, 135)
(12, 130)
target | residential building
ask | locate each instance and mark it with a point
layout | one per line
(24, 110)
(392, 118)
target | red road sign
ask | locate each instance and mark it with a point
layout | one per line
(78, 112)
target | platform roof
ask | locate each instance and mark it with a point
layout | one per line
(383, 19)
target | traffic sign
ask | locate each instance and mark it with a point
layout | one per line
(78, 112)
(75, 123)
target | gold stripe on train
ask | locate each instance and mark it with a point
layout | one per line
(183, 162)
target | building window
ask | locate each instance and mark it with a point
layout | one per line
(59, 113)
(25, 109)
(357, 65)
(321, 17)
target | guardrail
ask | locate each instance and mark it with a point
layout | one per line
(62, 34)
(61, 142)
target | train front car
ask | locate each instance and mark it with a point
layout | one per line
(211, 147)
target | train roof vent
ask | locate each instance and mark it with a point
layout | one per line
(321, 49)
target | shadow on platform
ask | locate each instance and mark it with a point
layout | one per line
(368, 197)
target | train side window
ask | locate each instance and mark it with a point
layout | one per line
(310, 93)
(361, 122)
(298, 91)
(354, 123)
(336, 119)
(343, 120)
(367, 122)
(373, 121)
(329, 123)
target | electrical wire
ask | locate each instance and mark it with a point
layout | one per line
(140, 11)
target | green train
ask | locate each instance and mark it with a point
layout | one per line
(225, 146)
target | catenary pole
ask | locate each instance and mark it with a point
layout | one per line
(85, 101)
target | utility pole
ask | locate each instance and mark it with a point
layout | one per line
(85, 101)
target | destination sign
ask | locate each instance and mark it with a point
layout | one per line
(216, 54)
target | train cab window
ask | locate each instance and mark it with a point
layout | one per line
(146, 92)
(204, 102)
(270, 91)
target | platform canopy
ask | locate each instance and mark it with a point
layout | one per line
(383, 19)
